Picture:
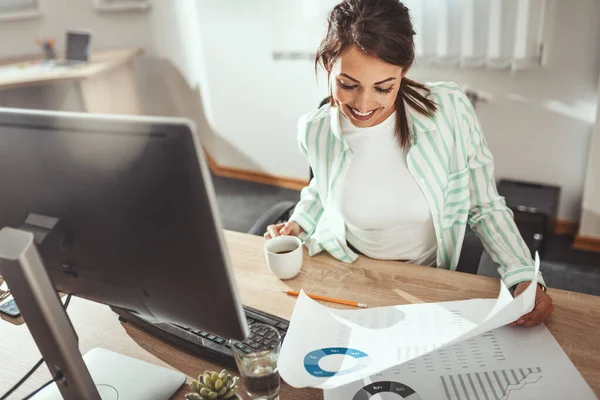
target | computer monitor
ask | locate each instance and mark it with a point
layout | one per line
(78, 43)
(137, 224)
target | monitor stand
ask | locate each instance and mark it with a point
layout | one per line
(22, 268)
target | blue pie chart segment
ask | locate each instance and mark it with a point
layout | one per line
(311, 361)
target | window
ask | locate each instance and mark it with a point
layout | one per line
(121, 5)
(479, 33)
(298, 27)
(18, 9)
(10, 6)
(452, 33)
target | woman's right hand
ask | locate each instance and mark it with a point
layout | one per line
(289, 228)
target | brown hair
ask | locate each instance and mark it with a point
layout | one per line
(381, 28)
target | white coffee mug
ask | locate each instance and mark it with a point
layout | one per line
(284, 256)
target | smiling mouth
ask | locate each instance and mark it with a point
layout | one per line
(360, 115)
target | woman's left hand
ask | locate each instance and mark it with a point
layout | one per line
(542, 308)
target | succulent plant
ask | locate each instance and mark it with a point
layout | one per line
(214, 386)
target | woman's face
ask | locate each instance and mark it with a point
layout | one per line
(365, 87)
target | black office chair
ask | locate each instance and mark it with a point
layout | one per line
(470, 255)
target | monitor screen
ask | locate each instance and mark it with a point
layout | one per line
(136, 210)
(78, 44)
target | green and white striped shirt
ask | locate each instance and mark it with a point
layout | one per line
(452, 165)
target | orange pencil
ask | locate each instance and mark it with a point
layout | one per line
(329, 299)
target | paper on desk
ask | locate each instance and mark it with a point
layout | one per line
(327, 348)
(505, 364)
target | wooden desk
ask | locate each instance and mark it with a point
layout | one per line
(575, 323)
(106, 84)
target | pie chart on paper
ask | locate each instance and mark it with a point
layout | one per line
(332, 361)
(386, 390)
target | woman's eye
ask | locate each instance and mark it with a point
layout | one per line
(346, 87)
(387, 90)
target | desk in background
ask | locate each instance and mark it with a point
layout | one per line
(575, 323)
(106, 84)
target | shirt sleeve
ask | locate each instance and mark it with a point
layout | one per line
(489, 217)
(309, 209)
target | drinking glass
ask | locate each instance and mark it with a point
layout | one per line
(256, 359)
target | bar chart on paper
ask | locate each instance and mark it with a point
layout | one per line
(387, 336)
(442, 351)
(517, 383)
(504, 364)
(492, 385)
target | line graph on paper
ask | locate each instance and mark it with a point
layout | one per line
(490, 385)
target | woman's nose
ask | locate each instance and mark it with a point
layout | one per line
(364, 101)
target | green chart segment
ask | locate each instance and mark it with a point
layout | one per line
(490, 385)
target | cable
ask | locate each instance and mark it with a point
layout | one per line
(67, 301)
(51, 381)
(23, 379)
(34, 368)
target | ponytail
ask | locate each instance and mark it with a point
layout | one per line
(415, 95)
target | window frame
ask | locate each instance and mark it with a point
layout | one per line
(122, 6)
(30, 11)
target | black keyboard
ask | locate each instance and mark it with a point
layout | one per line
(209, 346)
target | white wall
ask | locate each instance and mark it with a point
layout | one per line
(538, 123)
(251, 101)
(178, 84)
(590, 218)
(218, 69)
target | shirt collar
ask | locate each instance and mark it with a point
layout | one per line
(336, 126)
(419, 122)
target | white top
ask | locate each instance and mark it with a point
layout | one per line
(386, 213)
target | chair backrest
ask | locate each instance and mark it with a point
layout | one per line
(470, 254)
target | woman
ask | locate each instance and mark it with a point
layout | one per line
(399, 167)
